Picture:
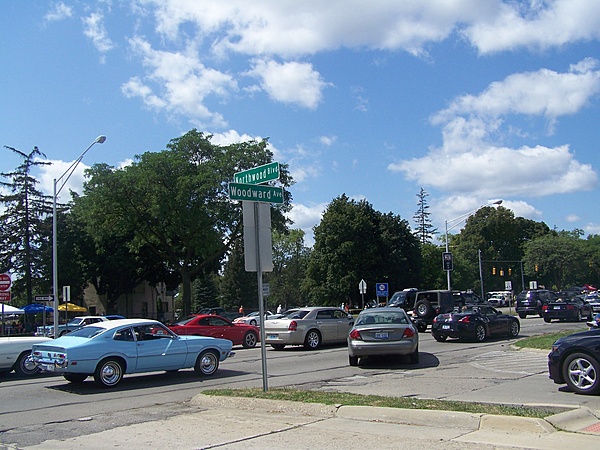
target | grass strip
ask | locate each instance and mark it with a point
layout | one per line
(544, 341)
(344, 398)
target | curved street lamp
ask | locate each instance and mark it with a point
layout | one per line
(458, 221)
(64, 177)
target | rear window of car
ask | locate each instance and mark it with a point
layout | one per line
(298, 314)
(87, 332)
(382, 318)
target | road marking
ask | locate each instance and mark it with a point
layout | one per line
(517, 362)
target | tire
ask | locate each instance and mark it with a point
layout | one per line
(414, 356)
(75, 378)
(480, 333)
(23, 367)
(514, 329)
(278, 346)
(62, 333)
(578, 318)
(353, 360)
(582, 373)
(423, 308)
(253, 322)
(421, 326)
(547, 319)
(109, 372)
(522, 315)
(440, 337)
(312, 341)
(207, 363)
(250, 340)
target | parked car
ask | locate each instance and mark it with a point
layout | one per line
(573, 309)
(499, 298)
(14, 351)
(253, 318)
(594, 301)
(218, 327)
(386, 331)
(530, 303)
(575, 360)
(77, 322)
(475, 322)
(106, 350)
(310, 327)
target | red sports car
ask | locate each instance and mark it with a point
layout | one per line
(218, 327)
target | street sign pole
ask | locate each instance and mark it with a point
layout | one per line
(261, 307)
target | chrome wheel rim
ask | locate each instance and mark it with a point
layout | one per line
(208, 363)
(582, 374)
(313, 339)
(111, 373)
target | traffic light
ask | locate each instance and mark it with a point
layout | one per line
(493, 271)
(501, 272)
(509, 271)
(537, 267)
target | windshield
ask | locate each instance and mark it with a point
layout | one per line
(185, 321)
(75, 321)
(86, 332)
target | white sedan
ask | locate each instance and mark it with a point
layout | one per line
(14, 351)
(252, 318)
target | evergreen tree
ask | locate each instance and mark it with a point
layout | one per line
(22, 226)
(425, 230)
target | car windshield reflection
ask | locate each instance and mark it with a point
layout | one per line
(378, 318)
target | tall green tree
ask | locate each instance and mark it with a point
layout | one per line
(22, 227)
(424, 229)
(175, 203)
(354, 242)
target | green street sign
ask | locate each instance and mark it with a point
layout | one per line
(255, 193)
(257, 175)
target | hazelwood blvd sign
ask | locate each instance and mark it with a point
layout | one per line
(255, 193)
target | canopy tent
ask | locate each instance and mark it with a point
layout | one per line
(71, 307)
(34, 308)
(10, 310)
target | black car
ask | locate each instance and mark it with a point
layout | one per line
(531, 302)
(575, 360)
(474, 322)
(573, 309)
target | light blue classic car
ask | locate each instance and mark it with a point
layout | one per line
(107, 350)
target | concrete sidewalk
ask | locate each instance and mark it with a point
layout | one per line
(243, 423)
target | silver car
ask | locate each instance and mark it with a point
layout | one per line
(383, 332)
(310, 327)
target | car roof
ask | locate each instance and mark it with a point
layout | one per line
(109, 324)
(383, 309)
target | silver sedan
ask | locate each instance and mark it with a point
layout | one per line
(310, 326)
(383, 332)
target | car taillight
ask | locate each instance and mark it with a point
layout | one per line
(408, 332)
(570, 307)
(465, 319)
(354, 334)
(293, 326)
(545, 308)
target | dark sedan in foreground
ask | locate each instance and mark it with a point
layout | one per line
(575, 360)
(383, 332)
(474, 322)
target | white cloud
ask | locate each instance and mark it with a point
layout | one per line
(571, 218)
(535, 24)
(59, 11)
(306, 217)
(470, 158)
(183, 82)
(290, 82)
(94, 29)
(327, 141)
(56, 169)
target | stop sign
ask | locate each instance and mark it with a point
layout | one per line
(4, 282)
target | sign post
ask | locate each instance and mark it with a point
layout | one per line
(362, 289)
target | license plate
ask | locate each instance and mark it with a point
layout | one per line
(557, 307)
(381, 335)
(48, 367)
(445, 327)
(272, 336)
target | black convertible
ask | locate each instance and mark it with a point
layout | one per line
(474, 322)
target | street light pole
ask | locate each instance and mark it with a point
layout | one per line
(68, 173)
(458, 221)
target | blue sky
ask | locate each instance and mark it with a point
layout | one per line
(472, 100)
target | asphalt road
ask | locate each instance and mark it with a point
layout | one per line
(36, 409)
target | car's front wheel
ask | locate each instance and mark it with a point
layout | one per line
(207, 363)
(515, 328)
(581, 372)
(312, 341)
(109, 372)
(250, 340)
(24, 366)
(75, 378)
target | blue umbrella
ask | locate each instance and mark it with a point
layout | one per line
(34, 308)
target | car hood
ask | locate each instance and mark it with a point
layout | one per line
(591, 334)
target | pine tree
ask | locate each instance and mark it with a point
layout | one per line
(23, 229)
(424, 230)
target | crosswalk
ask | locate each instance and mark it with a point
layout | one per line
(514, 362)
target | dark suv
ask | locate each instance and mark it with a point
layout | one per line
(403, 299)
(429, 304)
(530, 303)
